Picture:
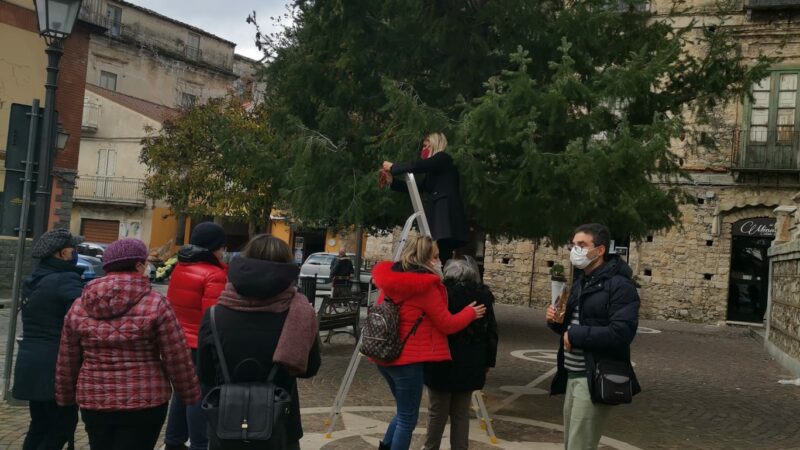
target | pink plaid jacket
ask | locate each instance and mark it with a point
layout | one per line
(121, 346)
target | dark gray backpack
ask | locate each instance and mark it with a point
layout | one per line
(381, 333)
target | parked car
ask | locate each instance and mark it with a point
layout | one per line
(92, 249)
(319, 265)
(92, 267)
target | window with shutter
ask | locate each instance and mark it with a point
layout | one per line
(771, 140)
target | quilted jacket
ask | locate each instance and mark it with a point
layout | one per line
(194, 286)
(417, 293)
(121, 347)
(50, 291)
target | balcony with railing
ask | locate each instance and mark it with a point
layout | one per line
(110, 190)
(761, 150)
(771, 4)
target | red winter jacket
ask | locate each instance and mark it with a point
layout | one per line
(416, 293)
(121, 347)
(194, 286)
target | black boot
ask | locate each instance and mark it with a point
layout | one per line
(382, 446)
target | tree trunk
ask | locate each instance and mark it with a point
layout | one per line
(180, 233)
(359, 255)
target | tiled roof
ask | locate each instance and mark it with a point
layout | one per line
(152, 110)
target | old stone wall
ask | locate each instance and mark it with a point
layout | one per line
(784, 316)
(683, 273)
(8, 252)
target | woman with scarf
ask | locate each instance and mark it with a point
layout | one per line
(261, 315)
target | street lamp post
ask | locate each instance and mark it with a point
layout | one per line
(56, 18)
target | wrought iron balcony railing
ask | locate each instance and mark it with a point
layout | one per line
(771, 4)
(110, 190)
(776, 150)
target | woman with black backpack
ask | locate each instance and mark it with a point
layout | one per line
(262, 321)
(415, 284)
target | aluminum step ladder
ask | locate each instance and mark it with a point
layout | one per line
(421, 220)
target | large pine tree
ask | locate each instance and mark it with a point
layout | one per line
(557, 112)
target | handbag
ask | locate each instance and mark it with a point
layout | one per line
(246, 415)
(613, 384)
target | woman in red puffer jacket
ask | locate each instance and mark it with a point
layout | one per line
(415, 285)
(194, 286)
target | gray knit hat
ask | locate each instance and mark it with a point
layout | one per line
(53, 241)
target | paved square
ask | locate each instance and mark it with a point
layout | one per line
(704, 387)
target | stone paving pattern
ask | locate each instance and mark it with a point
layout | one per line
(704, 387)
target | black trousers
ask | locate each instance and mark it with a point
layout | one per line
(51, 426)
(124, 430)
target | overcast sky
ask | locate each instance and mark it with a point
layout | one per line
(225, 18)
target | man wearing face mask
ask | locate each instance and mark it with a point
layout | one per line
(47, 294)
(441, 193)
(600, 322)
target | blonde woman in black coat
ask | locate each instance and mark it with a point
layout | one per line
(441, 191)
(474, 351)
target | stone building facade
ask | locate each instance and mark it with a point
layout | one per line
(782, 337)
(142, 69)
(712, 267)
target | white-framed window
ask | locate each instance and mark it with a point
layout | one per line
(108, 80)
(114, 19)
(193, 46)
(106, 162)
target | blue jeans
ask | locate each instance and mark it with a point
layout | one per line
(187, 422)
(405, 383)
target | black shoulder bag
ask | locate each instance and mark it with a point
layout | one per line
(246, 415)
(613, 380)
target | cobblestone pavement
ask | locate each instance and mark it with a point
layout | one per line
(704, 387)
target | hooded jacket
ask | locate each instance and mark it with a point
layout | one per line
(48, 292)
(608, 316)
(417, 293)
(121, 347)
(248, 333)
(194, 286)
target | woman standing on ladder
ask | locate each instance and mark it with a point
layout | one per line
(441, 190)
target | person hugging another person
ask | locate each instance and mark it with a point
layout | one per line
(474, 351)
(415, 284)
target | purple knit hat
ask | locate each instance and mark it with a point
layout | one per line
(122, 251)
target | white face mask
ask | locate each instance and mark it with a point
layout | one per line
(147, 270)
(579, 257)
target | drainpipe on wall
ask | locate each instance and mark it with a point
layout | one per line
(533, 271)
(769, 302)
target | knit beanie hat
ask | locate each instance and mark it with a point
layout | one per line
(53, 241)
(208, 235)
(123, 252)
